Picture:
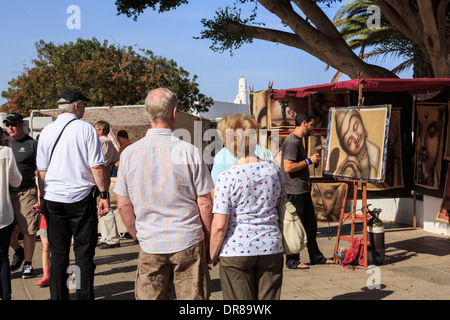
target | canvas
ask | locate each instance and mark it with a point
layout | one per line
(447, 148)
(258, 107)
(444, 210)
(282, 112)
(429, 138)
(320, 104)
(275, 142)
(394, 170)
(327, 200)
(357, 142)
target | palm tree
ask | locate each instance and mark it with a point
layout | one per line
(379, 41)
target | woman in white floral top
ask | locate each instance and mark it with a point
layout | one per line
(245, 233)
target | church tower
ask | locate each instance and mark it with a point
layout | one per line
(242, 96)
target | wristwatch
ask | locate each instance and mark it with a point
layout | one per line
(104, 194)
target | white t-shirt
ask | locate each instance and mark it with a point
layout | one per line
(10, 175)
(69, 177)
(249, 194)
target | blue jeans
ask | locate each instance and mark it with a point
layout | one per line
(305, 210)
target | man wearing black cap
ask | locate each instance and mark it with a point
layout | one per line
(71, 164)
(23, 197)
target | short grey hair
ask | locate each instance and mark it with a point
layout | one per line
(67, 107)
(159, 103)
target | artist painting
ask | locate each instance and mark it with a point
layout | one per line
(444, 210)
(356, 143)
(258, 107)
(282, 112)
(429, 132)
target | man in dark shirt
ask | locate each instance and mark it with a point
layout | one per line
(25, 196)
(296, 182)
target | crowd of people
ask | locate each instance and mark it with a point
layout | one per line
(184, 216)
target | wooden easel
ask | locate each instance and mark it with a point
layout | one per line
(354, 217)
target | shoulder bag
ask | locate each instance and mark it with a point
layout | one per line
(292, 229)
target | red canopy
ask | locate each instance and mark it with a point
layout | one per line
(413, 86)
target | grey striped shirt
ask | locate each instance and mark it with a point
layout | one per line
(163, 176)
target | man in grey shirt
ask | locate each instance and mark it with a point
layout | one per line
(163, 196)
(296, 181)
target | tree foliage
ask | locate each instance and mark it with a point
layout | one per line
(425, 23)
(109, 75)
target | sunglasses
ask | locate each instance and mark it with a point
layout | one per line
(11, 124)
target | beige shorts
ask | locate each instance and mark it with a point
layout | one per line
(27, 219)
(187, 270)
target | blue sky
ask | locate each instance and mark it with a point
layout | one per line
(24, 22)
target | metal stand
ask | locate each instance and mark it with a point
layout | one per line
(354, 217)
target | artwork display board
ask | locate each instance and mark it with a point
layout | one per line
(394, 167)
(447, 148)
(357, 142)
(429, 136)
(444, 210)
(320, 104)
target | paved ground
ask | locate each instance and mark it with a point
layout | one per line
(417, 267)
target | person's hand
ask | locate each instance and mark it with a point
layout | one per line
(315, 158)
(103, 207)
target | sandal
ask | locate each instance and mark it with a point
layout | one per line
(295, 264)
(325, 261)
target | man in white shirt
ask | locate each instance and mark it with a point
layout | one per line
(70, 163)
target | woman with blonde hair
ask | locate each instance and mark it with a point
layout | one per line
(10, 176)
(245, 233)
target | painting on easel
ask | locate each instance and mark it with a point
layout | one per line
(357, 142)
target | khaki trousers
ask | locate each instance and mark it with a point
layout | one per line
(251, 278)
(187, 270)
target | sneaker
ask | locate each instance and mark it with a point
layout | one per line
(16, 262)
(27, 271)
(109, 246)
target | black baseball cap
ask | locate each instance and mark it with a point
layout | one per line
(72, 95)
(13, 118)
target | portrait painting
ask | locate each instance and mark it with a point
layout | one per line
(444, 210)
(282, 112)
(447, 148)
(317, 143)
(327, 200)
(320, 104)
(357, 142)
(429, 139)
(258, 107)
(394, 170)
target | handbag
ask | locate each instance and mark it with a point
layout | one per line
(292, 230)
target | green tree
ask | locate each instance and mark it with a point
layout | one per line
(109, 75)
(306, 27)
(380, 42)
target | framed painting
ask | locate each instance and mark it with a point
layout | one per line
(429, 136)
(394, 168)
(444, 210)
(317, 143)
(327, 200)
(357, 142)
(282, 112)
(320, 104)
(275, 142)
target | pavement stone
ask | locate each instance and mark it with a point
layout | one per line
(417, 267)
